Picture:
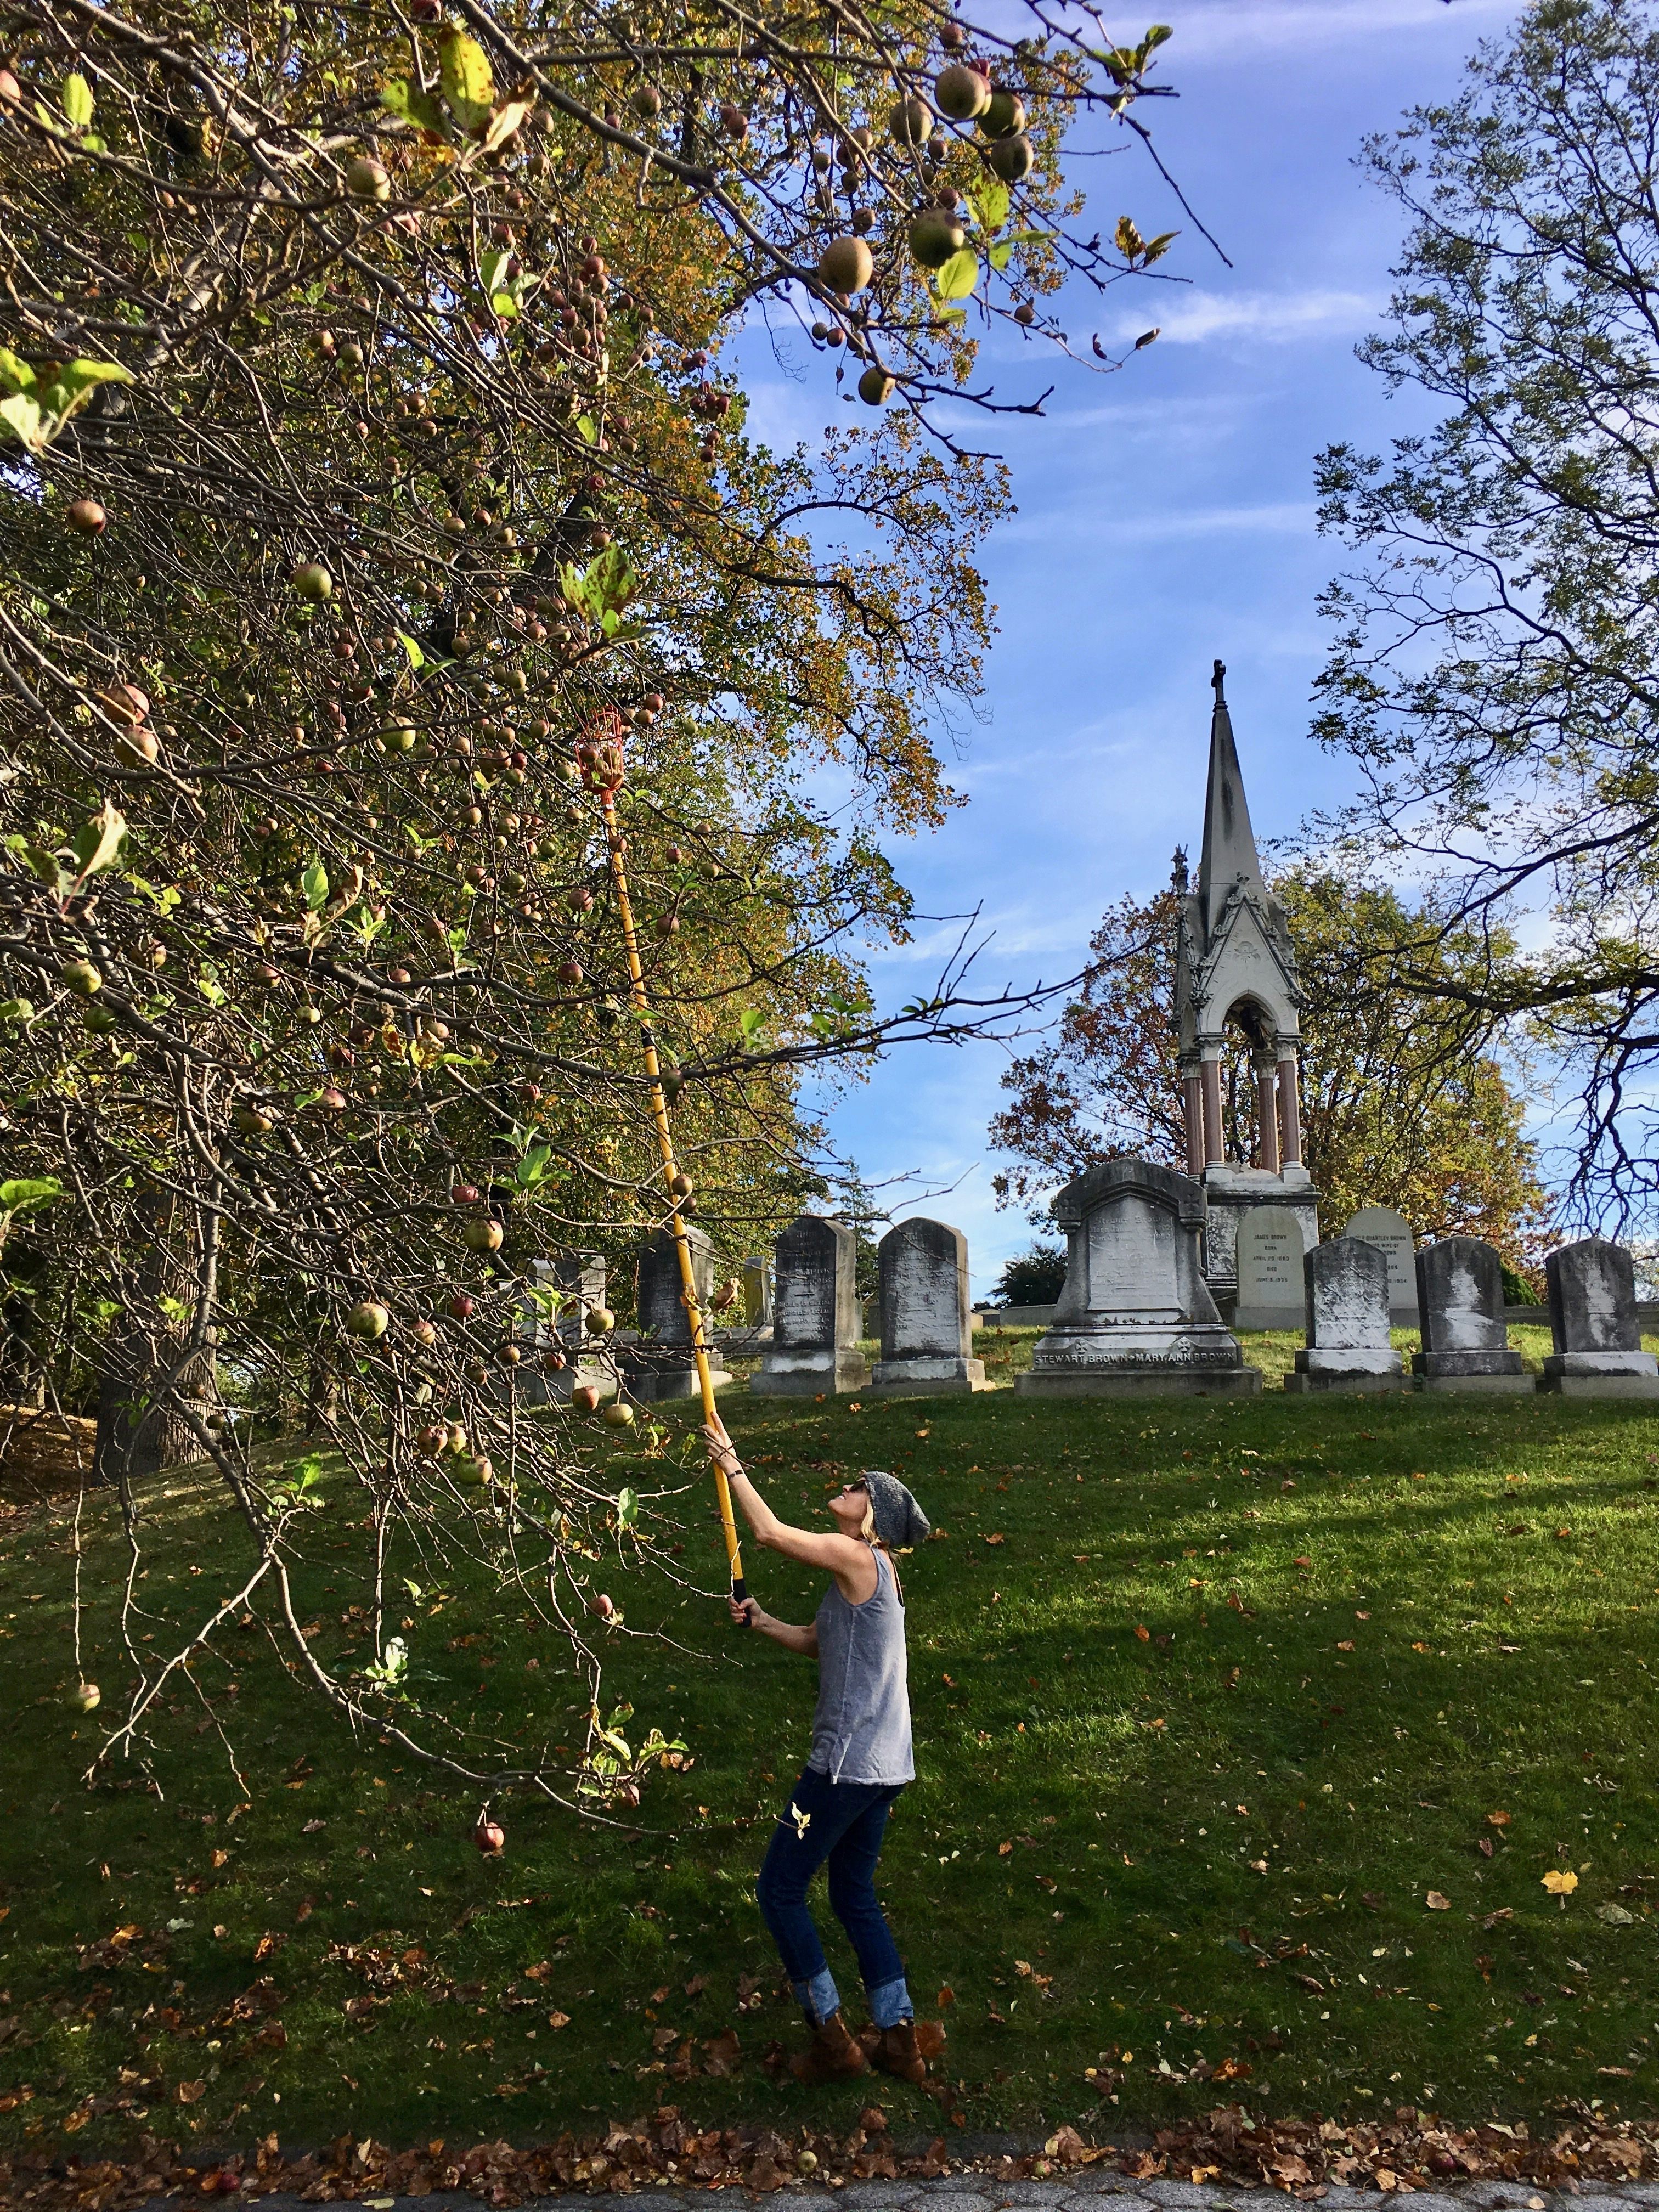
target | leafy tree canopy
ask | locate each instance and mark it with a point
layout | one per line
(1495, 665)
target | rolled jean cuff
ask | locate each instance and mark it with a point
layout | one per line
(891, 2003)
(819, 1997)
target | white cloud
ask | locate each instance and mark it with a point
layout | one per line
(1270, 318)
(1226, 30)
(1277, 518)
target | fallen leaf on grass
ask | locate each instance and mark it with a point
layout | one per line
(721, 2053)
(1498, 1819)
(1143, 1632)
(947, 1995)
(1370, 1900)
(189, 2092)
(1558, 1882)
(1504, 1912)
(1436, 1902)
(696, 1985)
(558, 2019)
(1346, 1644)
(1485, 1845)
(1615, 1916)
(1003, 1849)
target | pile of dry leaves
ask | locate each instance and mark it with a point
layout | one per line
(1409, 2152)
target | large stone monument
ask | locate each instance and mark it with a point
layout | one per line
(1598, 1337)
(1391, 1234)
(1136, 1317)
(1237, 988)
(1466, 1339)
(927, 1316)
(1270, 1253)
(815, 1315)
(660, 1364)
(1347, 1321)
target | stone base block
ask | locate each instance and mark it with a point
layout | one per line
(1602, 1363)
(1466, 1383)
(1345, 1359)
(1140, 1382)
(652, 1386)
(535, 1386)
(926, 1376)
(1253, 1317)
(1356, 1382)
(1494, 1361)
(1622, 1383)
(810, 1374)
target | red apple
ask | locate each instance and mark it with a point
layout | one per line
(86, 515)
(464, 1193)
(601, 1605)
(585, 1397)
(463, 1306)
(489, 1835)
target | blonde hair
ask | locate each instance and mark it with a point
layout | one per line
(867, 1526)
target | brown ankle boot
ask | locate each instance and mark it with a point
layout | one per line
(833, 2055)
(905, 2050)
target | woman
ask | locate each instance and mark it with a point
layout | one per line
(860, 1760)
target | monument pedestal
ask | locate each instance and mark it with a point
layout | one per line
(816, 1371)
(1229, 1193)
(926, 1376)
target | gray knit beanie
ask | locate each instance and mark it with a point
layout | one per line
(900, 1521)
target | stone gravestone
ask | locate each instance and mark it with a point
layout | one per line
(1466, 1341)
(555, 1359)
(660, 1365)
(1348, 1292)
(815, 1315)
(927, 1318)
(1598, 1338)
(1136, 1317)
(758, 1293)
(1391, 1234)
(1270, 1249)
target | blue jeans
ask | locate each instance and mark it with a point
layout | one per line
(843, 1822)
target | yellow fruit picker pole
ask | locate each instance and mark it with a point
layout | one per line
(666, 1145)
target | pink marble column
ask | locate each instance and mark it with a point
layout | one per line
(1215, 1152)
(1289, 1112)
(1266, 1117)
(1192, 1095)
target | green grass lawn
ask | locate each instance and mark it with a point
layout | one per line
(1214, 1701)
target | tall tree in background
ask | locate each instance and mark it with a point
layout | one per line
(1495, 672)
(1404, 1103)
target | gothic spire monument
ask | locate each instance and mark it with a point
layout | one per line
(1237, 987)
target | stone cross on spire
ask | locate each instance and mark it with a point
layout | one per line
(1229, 849)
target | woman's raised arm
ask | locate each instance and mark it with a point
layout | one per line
(844, 1557)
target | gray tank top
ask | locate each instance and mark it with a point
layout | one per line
(861, 1729)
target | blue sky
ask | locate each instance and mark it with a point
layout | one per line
(1165, 516)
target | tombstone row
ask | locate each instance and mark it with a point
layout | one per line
(1136, 1315)
(927, 1319)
